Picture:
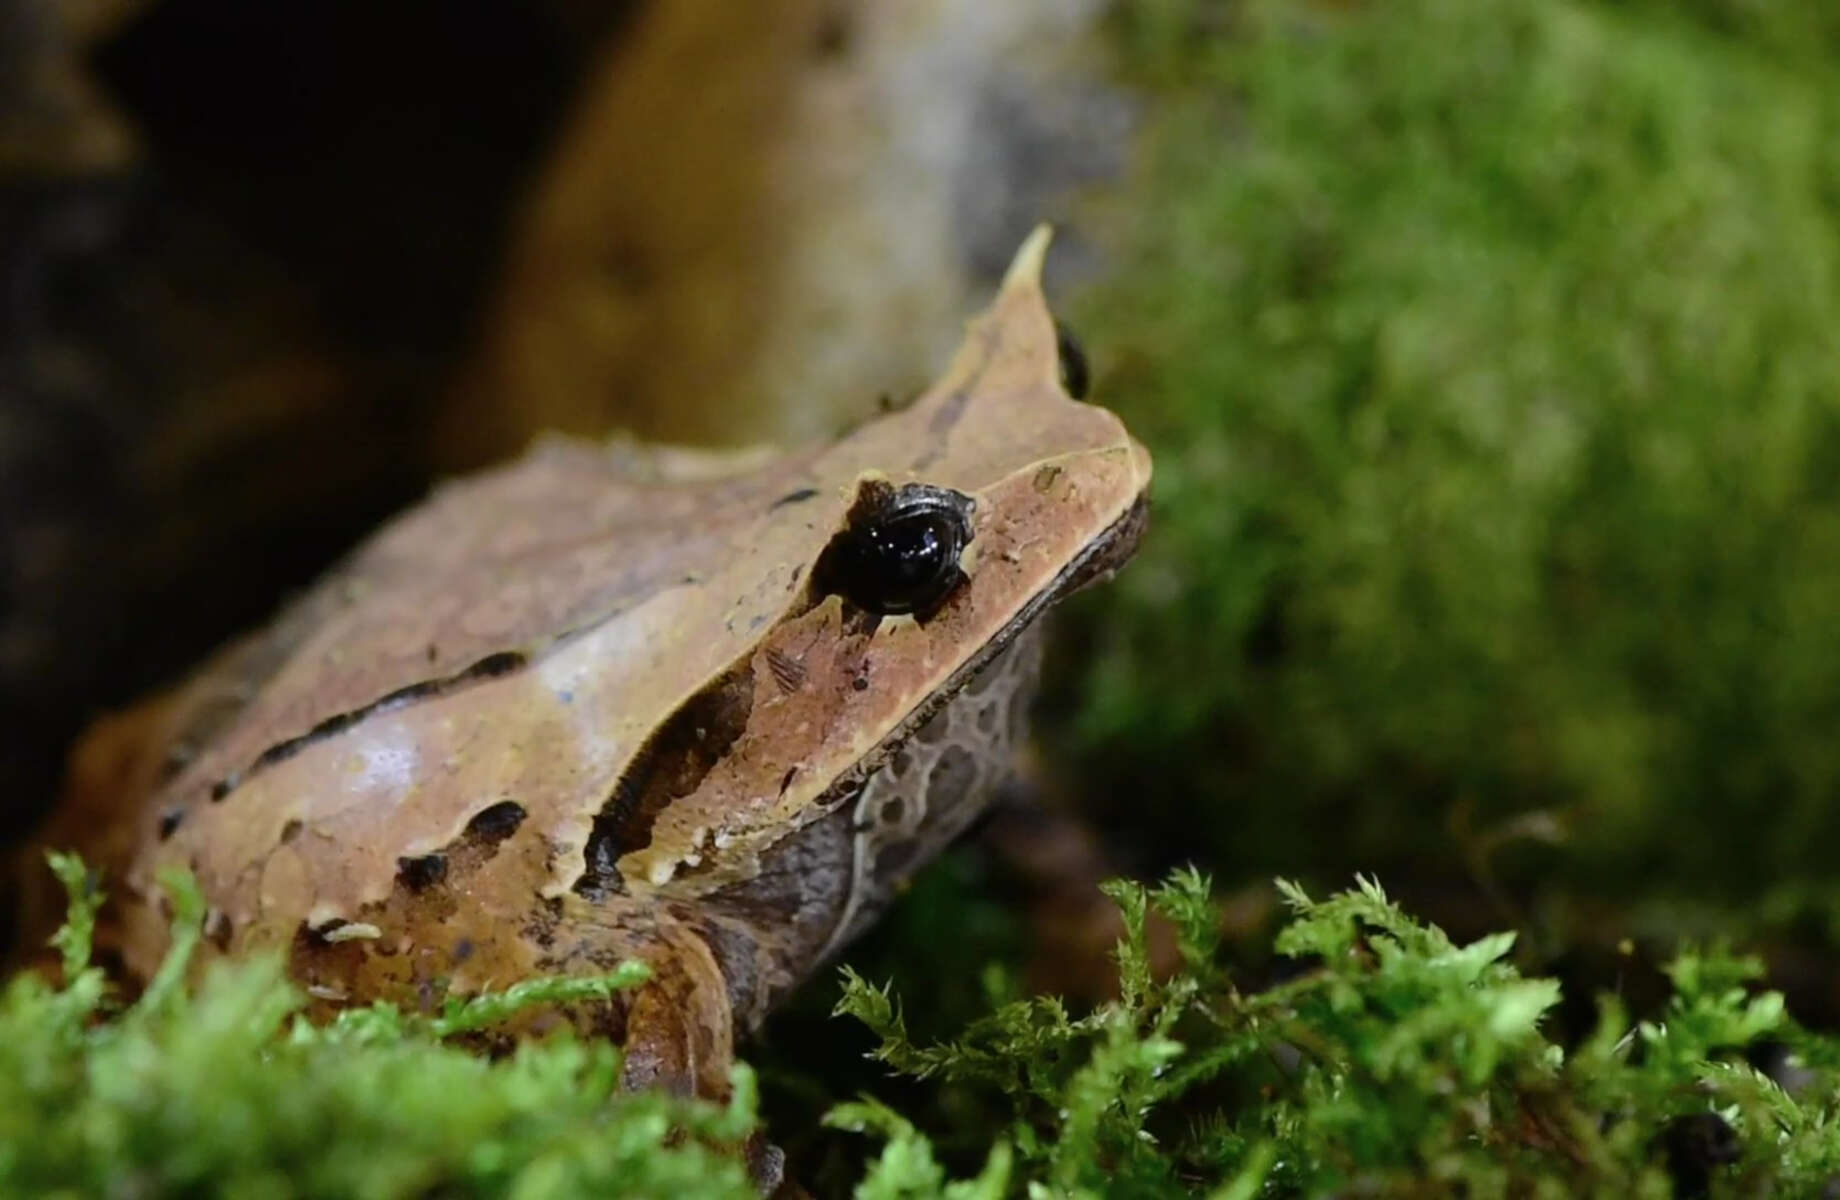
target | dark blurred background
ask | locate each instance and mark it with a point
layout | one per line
(1487, 352)
(245, 248)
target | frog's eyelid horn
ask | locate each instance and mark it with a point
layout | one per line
(1025, 272)
(1025, 268)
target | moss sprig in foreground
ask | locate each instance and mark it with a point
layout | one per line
(1395, 1063)
(1392, 1063)
(226, 1091)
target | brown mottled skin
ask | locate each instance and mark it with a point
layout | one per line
(591, 707)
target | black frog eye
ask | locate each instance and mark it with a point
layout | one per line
(1076, 375)
(900, 552)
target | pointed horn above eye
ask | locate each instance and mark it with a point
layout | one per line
(1025, 268)
(1013, 338)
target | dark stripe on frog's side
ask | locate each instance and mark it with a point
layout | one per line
(238, 676)
(672, 764)
(797, 497)
(490, 667)
(1076, 371)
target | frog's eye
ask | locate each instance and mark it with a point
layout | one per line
(900, 552)
(1076, 376)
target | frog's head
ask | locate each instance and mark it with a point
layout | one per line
(909, 560)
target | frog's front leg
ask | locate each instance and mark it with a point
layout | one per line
(679, 1027)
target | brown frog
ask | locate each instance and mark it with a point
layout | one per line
(608, 703)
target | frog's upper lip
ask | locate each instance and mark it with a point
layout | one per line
(1111, 550)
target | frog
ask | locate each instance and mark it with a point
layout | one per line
(706, 711)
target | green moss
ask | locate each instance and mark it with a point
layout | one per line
(1395, 1063)
(225, 1093)
(1487, 354)
(1391, 1062)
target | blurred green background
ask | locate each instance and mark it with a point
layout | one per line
(1490, 358)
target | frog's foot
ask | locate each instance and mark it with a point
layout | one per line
(680, 1037)
(676, 1040)
(680, 1032)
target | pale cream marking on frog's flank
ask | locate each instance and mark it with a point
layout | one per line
(387, 761)
(352, 931)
